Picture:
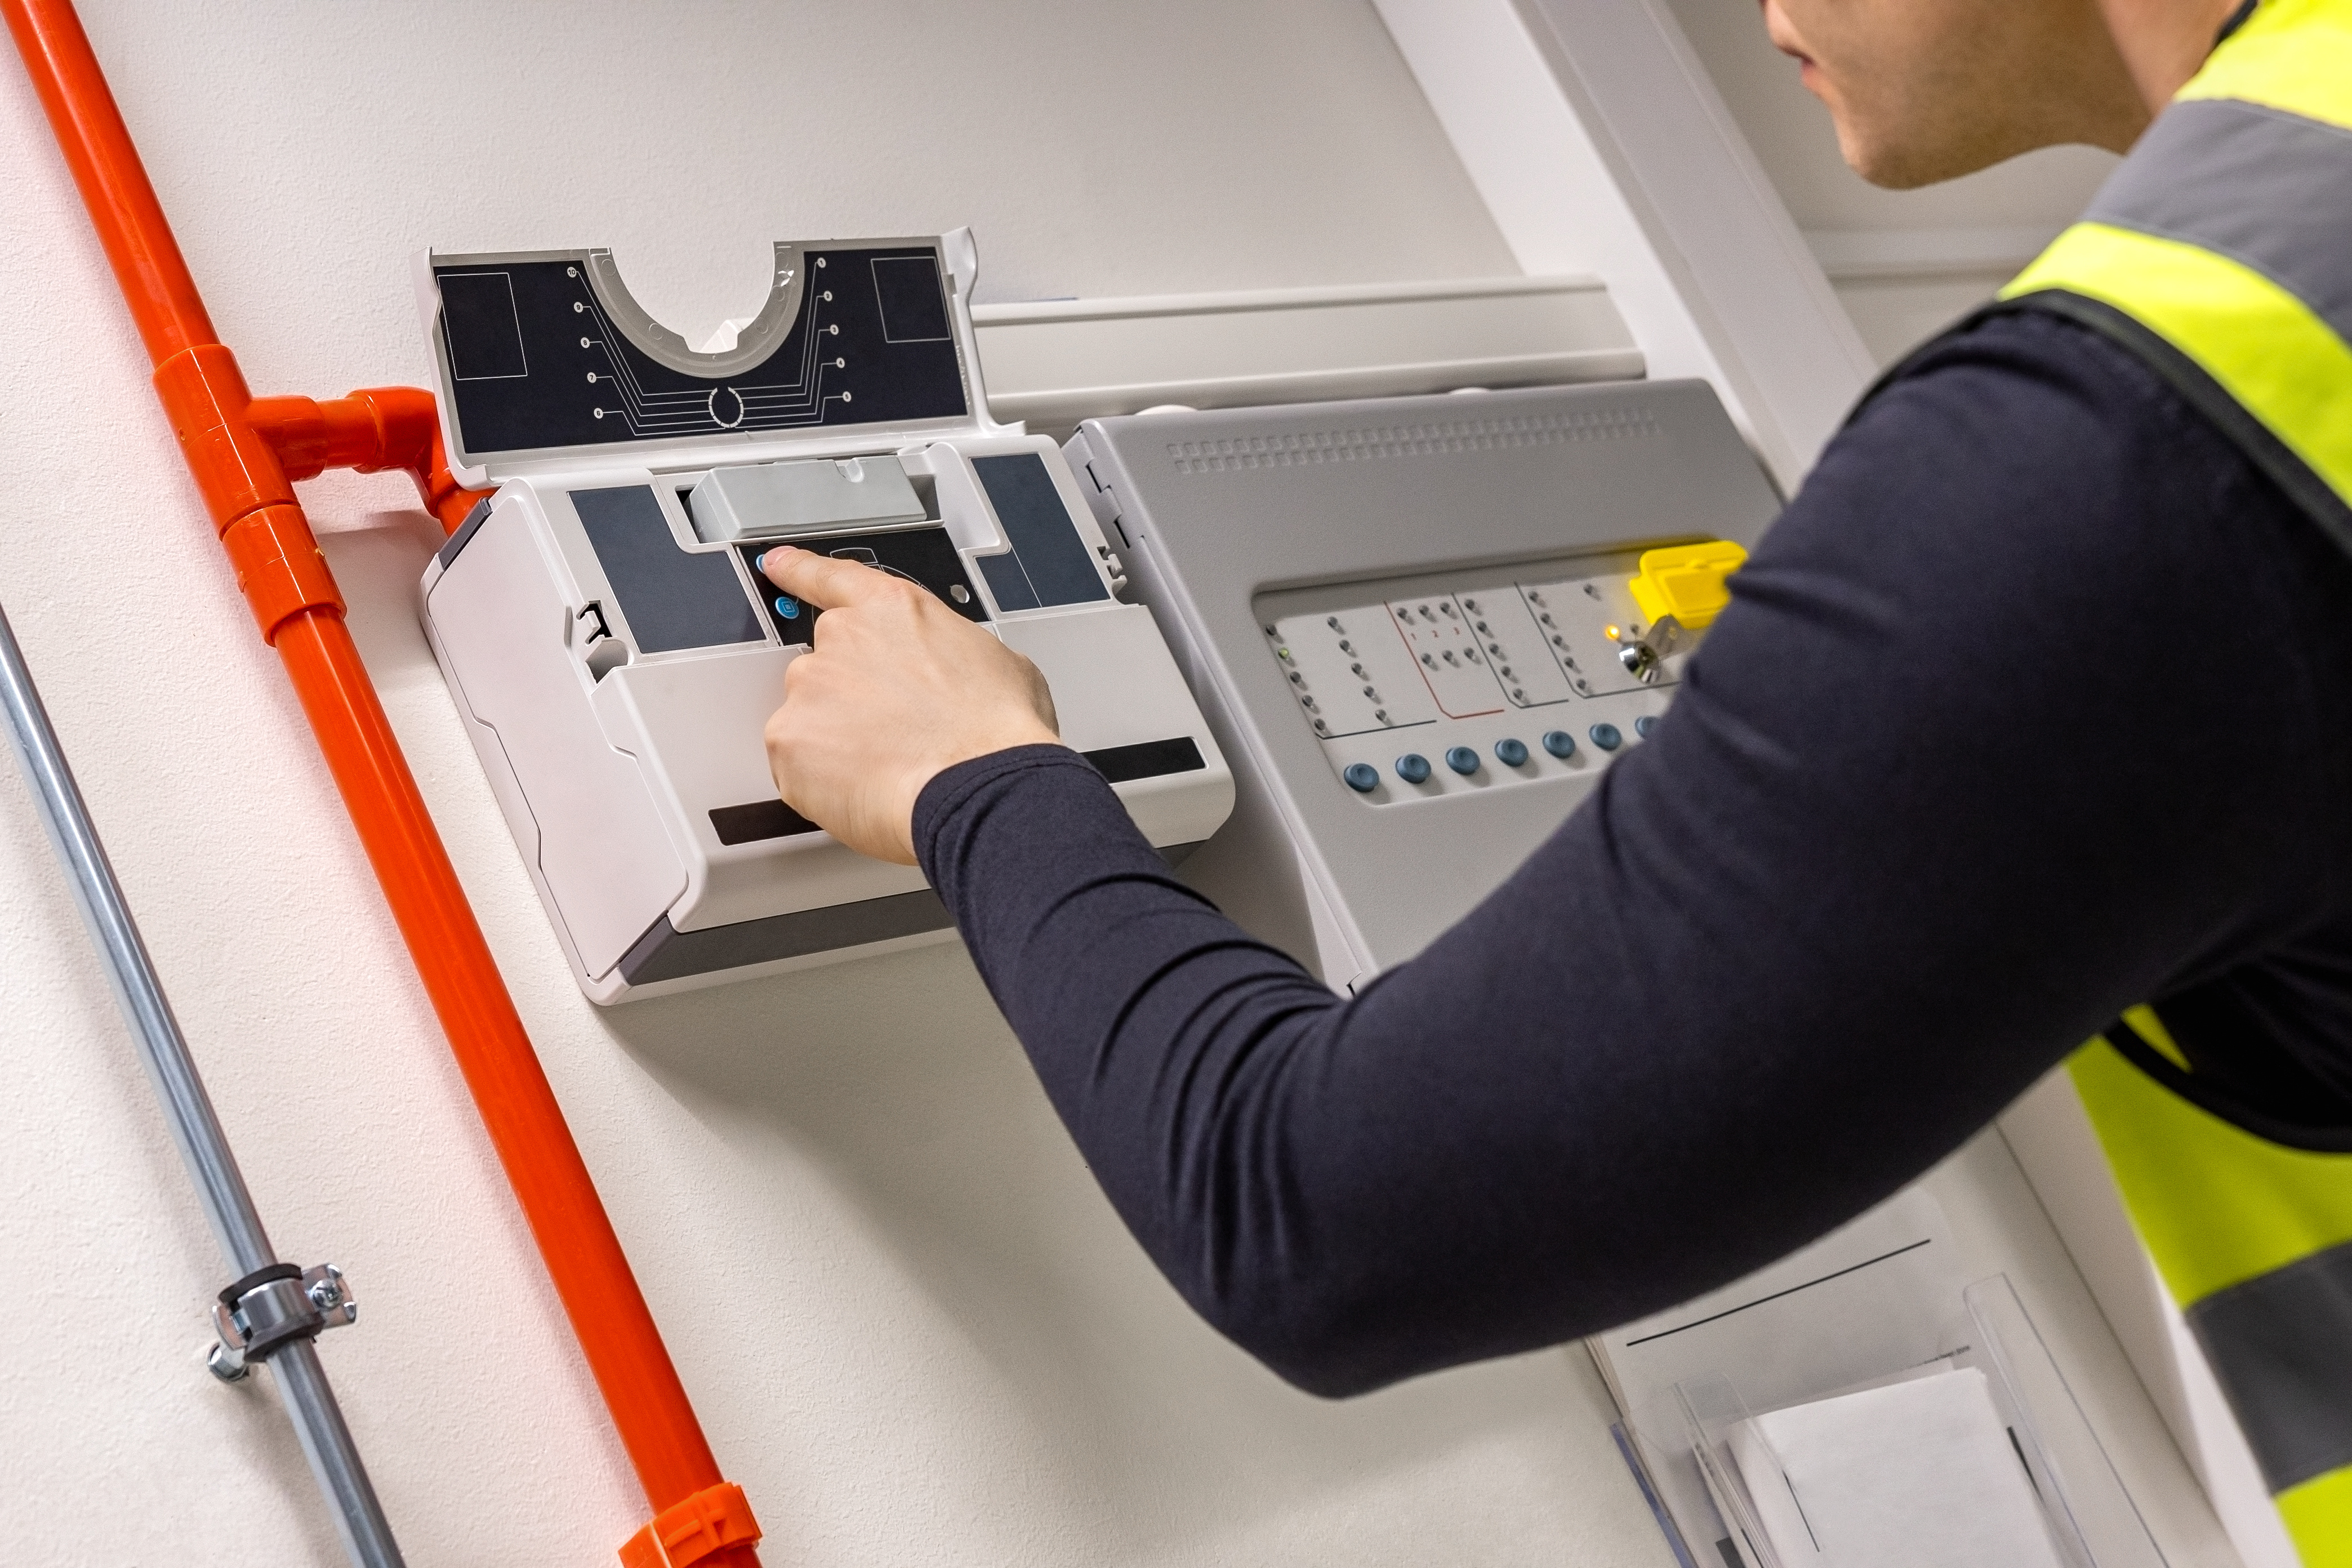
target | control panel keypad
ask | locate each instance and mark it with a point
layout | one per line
(926, 556)
(1448, 683)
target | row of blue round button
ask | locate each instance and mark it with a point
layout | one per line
(1413, 768)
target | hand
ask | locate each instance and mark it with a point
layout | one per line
(896, 688)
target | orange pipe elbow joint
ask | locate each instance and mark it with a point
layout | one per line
(244, 454)
(374, 430)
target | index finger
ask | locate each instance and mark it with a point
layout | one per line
(823, 580)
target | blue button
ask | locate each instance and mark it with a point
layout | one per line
(1413, 768)
(759, 561)
(1511, 753)
(1645, 725)
(1462, 759)
(788, 606)
(1606, 737)
(1560, 743)
(1362, 778)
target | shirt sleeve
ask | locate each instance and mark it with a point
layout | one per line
(1970, 764)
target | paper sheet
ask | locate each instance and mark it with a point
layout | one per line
(1920, 1474)
(1877, 1295)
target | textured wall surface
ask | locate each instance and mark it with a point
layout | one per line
(913, 1328)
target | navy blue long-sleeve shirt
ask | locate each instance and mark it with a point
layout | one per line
(2032, 706)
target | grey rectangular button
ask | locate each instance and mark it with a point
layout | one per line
(772, 500)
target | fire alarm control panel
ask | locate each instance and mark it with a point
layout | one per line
(614, 652)
(1425, 627)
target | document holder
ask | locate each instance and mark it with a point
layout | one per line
(2070, 1486)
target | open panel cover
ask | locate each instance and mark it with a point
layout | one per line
(544, 359)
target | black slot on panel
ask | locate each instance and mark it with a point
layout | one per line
(923, 555)
(1147, 760)
(759, 819)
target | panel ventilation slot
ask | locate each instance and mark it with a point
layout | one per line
(1405, 440)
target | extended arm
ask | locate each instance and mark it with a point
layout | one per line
(1947, 787)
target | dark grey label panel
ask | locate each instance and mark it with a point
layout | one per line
(534, 363)
(1049, 564)
(673, 598)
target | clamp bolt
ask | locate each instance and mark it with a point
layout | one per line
(274, 1306)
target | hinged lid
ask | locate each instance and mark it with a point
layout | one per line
(543, 362)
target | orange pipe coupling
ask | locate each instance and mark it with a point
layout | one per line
(244, 453)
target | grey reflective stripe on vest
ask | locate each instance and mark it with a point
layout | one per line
(2263, 187)
(2278, 1344)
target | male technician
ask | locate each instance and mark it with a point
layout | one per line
(2033, 710)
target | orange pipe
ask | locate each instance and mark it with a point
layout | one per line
(374, 430)
(244, 453)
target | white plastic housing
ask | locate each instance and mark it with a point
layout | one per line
(609, 754)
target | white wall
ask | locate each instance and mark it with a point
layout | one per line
(913, 1328)
(1599, 145)
(1905, 263)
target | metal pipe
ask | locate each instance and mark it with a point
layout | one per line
(335, 1457)
(204, 1147)
(244, 453)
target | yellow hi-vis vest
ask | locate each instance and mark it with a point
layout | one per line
(2221, 251)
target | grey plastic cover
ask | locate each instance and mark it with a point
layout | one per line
(1220, 506)
(769, 500)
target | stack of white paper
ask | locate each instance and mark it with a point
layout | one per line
(1879, 1293)
(1920, 1474)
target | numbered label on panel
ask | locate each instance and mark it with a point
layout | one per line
(1349, 672)
(1507, 678)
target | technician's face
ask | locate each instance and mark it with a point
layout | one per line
(1928, 89)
